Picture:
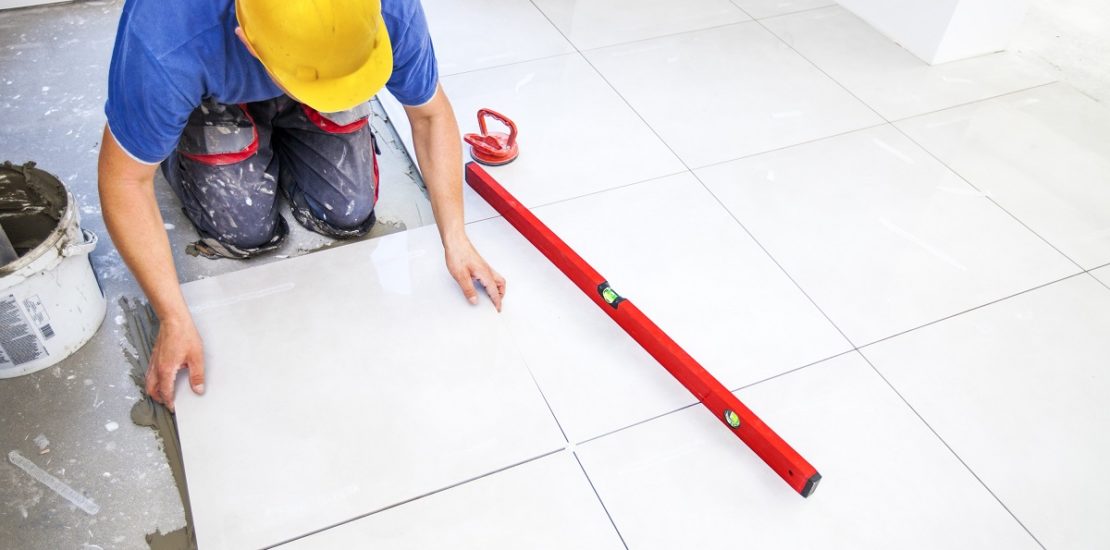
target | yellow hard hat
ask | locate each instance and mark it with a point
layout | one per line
(328, 54)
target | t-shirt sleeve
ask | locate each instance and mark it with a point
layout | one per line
(415, 71)
(146, 111)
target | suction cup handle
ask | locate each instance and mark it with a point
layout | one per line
(483, 114)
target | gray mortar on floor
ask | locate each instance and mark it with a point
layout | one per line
(53, 72)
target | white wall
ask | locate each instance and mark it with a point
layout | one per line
(938, 31)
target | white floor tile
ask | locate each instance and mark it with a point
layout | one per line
(760, 9)
(576, 135)
(1102, 275)
(476, 34)
(683, 481)
(1018, 390)
(882, 236)
(608, 22)
(723, 93)
(1043, 154)
(674, 251)
(891, 79)
(542, 505)
(345, 381)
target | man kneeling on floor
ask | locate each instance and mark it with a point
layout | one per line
(238, 100)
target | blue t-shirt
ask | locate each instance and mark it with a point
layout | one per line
(169, 56)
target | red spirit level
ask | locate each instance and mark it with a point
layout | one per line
(783, 459)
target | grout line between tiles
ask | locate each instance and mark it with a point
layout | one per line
(601, 502)
(950, 449)
(697, 402)
(981, 100)
(754, 18)
(969, 310)
(512, 63)
(987, 196)
(415, 498)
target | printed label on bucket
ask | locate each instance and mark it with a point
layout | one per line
(37, 312)
(19, 342)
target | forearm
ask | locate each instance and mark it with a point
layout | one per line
(439, 153)
(135, 224)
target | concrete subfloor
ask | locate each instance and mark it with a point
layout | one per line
(53, 72)
(53, 68)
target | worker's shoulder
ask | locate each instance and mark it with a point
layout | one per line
(399, 12)
(164, 27)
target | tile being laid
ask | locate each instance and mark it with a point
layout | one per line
(576, 134)
(682, 481)
(1043, 154)
(477, 34)
(891, 79)
(608, 22)
(880, 234)
(344, 382)
(1018, 390)
(761, 9)
(546, 504)
(668, 246)
(728, 92)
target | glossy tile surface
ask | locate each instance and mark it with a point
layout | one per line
(1043, 154)
(343, 382)
(606, 22)
(1018, 390)
(708, 110)
(542, 505)
(683, 481)
(882, 236)
(760, 9)
(576, 134)
(668, 246)
(891, 79)
(476, 34)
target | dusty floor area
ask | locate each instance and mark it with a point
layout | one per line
(73, 419)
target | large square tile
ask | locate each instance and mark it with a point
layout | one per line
(891, 79)
(476, 34)
(1043, 154)
(668, 246)
(606, 22)
(728, 92)
(683, 481)
(1018, 390)
(546, 504)
(760, 9)
(882, 236)
(345, 381)
(576, 134)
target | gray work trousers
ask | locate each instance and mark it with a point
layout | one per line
(232, 160)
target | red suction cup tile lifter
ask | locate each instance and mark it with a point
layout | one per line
(493, 148)
(726, 407)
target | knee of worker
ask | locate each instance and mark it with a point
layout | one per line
(341, 199)
(230, 204)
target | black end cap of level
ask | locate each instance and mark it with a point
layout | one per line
(811, 485)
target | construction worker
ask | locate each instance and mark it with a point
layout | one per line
(240, 102)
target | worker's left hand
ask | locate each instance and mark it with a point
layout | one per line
(465, 265)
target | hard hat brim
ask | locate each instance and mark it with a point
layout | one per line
(339, 94)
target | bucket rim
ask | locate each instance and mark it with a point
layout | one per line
(65, 220)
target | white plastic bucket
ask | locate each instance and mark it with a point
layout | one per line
(51, 303)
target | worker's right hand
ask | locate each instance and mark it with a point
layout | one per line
(178, 347)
